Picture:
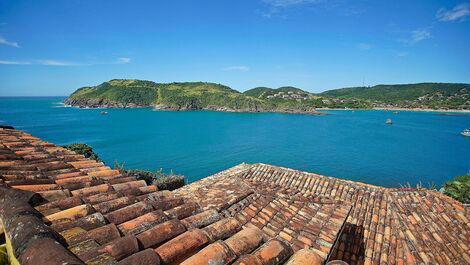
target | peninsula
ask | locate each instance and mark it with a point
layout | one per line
(179, 96)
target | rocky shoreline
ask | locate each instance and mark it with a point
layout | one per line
(100, 104)
(106, 104)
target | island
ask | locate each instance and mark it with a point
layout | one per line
(180, 96)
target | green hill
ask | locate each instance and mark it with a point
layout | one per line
(122, 93)
(264, 92)
(422, 95)
(391, 93)
(177, 96)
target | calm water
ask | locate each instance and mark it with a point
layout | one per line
(353, 145)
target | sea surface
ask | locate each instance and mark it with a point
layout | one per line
(357, 145)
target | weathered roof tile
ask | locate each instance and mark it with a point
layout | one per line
(105, 233)
(144, 257)
(121, 247)
(142, 223)
(129, 212)
(182, 246)
(47, 251)
(160, 233)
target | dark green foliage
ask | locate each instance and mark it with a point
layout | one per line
(148, 176)
(392, 93)
(263, 92)
(458, 188)
(162, 180)
(123, 91)
(169, 182)
(259, 92)
(83, 149)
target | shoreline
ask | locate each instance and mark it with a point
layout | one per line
(404, 109)
(317, 112)
(217, 109)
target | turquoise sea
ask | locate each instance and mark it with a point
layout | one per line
(356, 145)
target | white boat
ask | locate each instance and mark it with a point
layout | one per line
(389, 121)
(466, 132)
(104, 112)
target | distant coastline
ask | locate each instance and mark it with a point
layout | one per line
(404, 109)
(210, 108)
(187, 96)
(316, 111)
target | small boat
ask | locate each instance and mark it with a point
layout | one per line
(389, 121)
(104, 112)
(466, 132)
(395, 112)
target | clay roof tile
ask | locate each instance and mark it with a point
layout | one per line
(182, 246)
(201, 219)
(47, 251)
(129, 212)
(121, 247)
(216, 253)
(105, 233)
(160, 233)
(245, 240)
(144, 257)
(142, 223)
(222, 229)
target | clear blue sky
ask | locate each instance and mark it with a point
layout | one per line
(53, 47)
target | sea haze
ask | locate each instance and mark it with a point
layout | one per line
(356, 145)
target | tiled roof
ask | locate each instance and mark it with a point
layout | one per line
(384, 226)
(57, 207)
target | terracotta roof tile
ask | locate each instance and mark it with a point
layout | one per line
(245, 241)
(201, 219)
(182, 246)
(183, 211)
(142, 223)
(114, 203)
(88, 191)
(87, 222)
(161, 233)
(105, 233)
(144, 257)
(304, 257)
(129, 212)
(47, 251)
(71, 214)
(216, 253)
(121, 247)
(274, 251)
(222, 229)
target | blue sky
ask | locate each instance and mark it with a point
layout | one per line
(53, 47)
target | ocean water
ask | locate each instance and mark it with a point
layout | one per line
(418, 147)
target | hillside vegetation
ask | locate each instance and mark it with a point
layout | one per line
(409, 95)
(458, 188)
(264, 92)
(182, 96)
(122, 93)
